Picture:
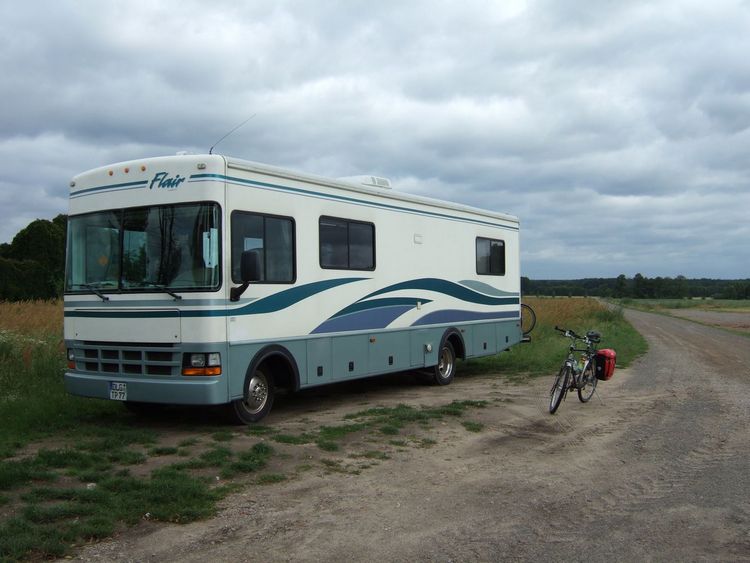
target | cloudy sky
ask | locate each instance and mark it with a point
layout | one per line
(617, 131)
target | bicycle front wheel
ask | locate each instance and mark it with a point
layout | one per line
(559, 389)
(588, 383)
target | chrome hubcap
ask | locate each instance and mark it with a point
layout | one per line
(445, 366)
(257, 393)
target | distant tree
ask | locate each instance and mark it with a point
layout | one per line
(639, 286)
(621, 287)
(42, 241)
(525, 286)
(33, 264)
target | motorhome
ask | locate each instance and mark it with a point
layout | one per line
(207, 280)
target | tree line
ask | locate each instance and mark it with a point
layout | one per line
(32, 266)
(640, 287)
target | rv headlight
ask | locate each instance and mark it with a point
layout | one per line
(197, 360)
(202, 364)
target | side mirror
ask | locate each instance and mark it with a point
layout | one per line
(249, 273)
(250, 266)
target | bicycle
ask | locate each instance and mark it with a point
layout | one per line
(576, 374)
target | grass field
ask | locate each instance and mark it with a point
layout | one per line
(729, 305)
(547, 348)
(75, 470)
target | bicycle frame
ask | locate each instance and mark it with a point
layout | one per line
(576, 373)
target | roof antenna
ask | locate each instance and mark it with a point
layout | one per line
(211, 150)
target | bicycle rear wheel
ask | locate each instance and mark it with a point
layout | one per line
(588, 383)
(559, 389)
(528, 319)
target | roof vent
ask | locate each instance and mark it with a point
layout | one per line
(369, 181)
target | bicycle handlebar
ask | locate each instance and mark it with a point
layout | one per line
(591, 337)
(568, 332)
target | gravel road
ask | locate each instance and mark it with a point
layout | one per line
(655, 467)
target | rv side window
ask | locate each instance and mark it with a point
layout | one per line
(273, 237)
(490, 257)
(346, 245)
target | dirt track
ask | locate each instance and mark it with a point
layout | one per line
(654, 468)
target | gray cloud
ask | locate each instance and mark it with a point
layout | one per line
(617, 131)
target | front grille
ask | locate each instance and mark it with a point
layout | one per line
(128, 358)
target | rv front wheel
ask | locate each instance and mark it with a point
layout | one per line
(446, 366)
(257, 400)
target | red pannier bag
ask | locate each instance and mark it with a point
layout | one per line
(604, 363)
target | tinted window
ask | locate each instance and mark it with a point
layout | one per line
(272, 237)
(346, 245)
(490, 257)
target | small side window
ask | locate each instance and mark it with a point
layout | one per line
(490, 257)
(272, 237)
(346, 245)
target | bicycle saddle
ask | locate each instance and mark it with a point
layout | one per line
(593, 336)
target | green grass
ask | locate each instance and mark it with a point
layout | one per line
(472, 426)
(53, 517)
(294, 439)
(271, 478)
(548, 348)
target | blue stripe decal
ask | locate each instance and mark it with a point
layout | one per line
(124, 314)
(289, 297)
(372, 314)
(111, 187)
(320, 195)
(449, 288)
(457, 316)
(270, 304)
(369, 319)
(482, 287)
(377, 303)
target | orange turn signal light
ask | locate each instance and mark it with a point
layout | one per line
(212, 370)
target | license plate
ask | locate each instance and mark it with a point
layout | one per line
(118, 391)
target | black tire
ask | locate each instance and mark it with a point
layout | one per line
(528, 319)
(557, 393)
(445, 369)
(588, 383)
(259, 392)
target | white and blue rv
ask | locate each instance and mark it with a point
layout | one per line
(206, 280)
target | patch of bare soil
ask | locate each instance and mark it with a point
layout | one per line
(655, 467)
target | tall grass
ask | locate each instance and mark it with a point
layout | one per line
(547, 348)
(33, 401)
(32, 317)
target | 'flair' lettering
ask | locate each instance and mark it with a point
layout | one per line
(162, 180)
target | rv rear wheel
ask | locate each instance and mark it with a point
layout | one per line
(257, 400)
(446, 366)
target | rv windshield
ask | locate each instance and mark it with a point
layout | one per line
(170, 247)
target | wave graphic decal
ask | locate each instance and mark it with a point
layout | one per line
(482, 287)
(289, 297)
(456, 316)
(270, 304)
(369, 315)
(449, 288)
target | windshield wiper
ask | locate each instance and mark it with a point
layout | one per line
(165, 289)
(95, 291)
